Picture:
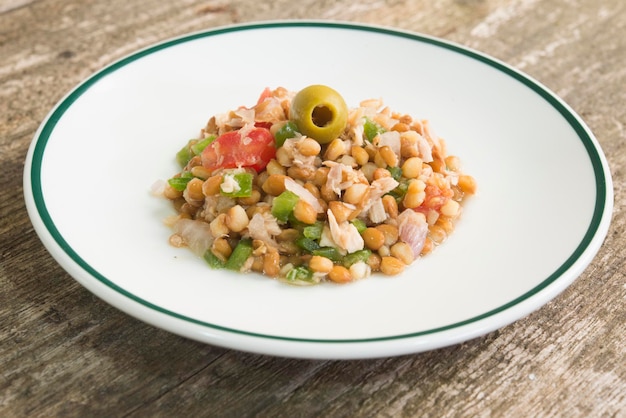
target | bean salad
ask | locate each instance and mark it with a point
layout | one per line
(301, 188)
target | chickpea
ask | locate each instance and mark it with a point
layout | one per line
(275, 184)
(200, 172)
(253, 199)
(221, 249)
(453, 163)
(390, 157)
(374, 262)
(340, 274)
(211, 186)
(321, 176)
(335, 150)
(282, 156)
(274, 167)
(171, 193)
(412, 167)
(467, 184)
(373, 238)
(450, 209)
(415, 194)
(340, 210)
(391, 206)
(403, 252)
(391, 266)
(380, 173)
(400, 127)
(194, 189)
(308, 147)
(271, 263)
(304, 212)
(390, 233)
(361, 156)
(320, 264)
(236, 219)
(218, 226)
(355, 193)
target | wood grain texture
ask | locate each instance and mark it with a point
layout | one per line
(63, 352)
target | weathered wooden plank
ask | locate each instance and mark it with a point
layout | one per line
(64, 352)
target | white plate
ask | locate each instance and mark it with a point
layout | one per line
(542, 211)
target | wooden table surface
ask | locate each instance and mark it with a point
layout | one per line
(64, 352)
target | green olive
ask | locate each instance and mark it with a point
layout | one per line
(319, 112)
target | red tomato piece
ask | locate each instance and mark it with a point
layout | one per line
(435, 199)
(230, 150)
(265, 125)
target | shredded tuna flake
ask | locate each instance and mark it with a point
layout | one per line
(304, 194)
(345, 235)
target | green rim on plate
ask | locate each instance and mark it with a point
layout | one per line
(581, 131)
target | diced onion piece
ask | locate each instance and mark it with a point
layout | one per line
(158, 187)
(377, 212)
(263, 226)
(413, 229)
(360, 270)
(390, 139)
(424, 149)
(196, 234)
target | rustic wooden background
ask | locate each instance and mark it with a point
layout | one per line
(63, 352)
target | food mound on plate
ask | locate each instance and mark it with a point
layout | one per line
(301, 188)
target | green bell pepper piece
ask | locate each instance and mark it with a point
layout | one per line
(355, 257)
(180, 183)
(244, 181)
(359, 225)
(283, 204)
(288, 130)
(371, 129)
(212, 260)
(184, 154)
(243, 250)
(396, 172)
(329, 252)
(199, 146)
(314, 231)
(307, 244)
(300, 273)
